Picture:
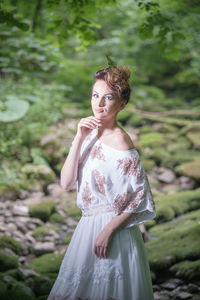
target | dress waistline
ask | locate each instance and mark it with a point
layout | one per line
(95, 210)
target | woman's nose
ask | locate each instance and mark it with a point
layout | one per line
(101, 101)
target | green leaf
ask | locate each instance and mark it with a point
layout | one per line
(15, 110)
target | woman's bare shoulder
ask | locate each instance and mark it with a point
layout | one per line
(122, 140)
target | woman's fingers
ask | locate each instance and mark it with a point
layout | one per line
(100, 251)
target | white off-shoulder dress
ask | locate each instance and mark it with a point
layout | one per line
(110, 182)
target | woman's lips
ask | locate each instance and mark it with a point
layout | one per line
(99, 110)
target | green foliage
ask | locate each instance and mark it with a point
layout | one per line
(42, 210)
(47, 263)
(7, 262)
(10, 243)
(12, 110)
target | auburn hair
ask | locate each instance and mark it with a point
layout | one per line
(117, 78)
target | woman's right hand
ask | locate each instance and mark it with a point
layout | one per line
(85, 125)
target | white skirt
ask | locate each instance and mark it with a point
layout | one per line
(123, 275)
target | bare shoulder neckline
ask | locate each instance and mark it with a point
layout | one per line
(109, 147)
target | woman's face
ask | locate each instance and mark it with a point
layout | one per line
(105, 103)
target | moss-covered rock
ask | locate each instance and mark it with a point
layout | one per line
(135, 120)
(190, 169)
(67, 240)
(169, 206)
(18, 291)
(40, 231)
(194, 137)
(123, 117)
(153, 139)
(74, 212)
(176, 241)
(42, 285)
(3, 290)
(7, 262)
(9, 191)
(148, 164)
(42, 210)
(11, 243)
(39, 172)
(47, 263)
(57, 218)
(186, 269)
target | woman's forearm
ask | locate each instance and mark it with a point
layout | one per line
(119, 221)
(70, 168)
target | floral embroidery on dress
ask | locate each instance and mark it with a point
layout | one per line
(103, 270)
(129, 166)
(87, 195)
(100, 181)
(96, 152)
(128, 200)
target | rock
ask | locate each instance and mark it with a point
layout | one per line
(156, 287)
(184, 295)
(30, 239)
(190, 169)
(169, 286)
(21, 227)
(71, 222)
(56, 191)
(42, 248)
(10, 192)
(26, 273)
(167, 176)
(2, 228)
(42, 231)
(39, 172)
(20, 210)
(193, 288)
(8, 278)
(186, 182)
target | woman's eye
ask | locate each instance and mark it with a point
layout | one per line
(95, 95)
(109, 97)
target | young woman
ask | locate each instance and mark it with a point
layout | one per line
(106, 258)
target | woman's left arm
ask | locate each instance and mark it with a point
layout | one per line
(103, 240)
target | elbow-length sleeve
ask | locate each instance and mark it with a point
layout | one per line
(132, 190)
